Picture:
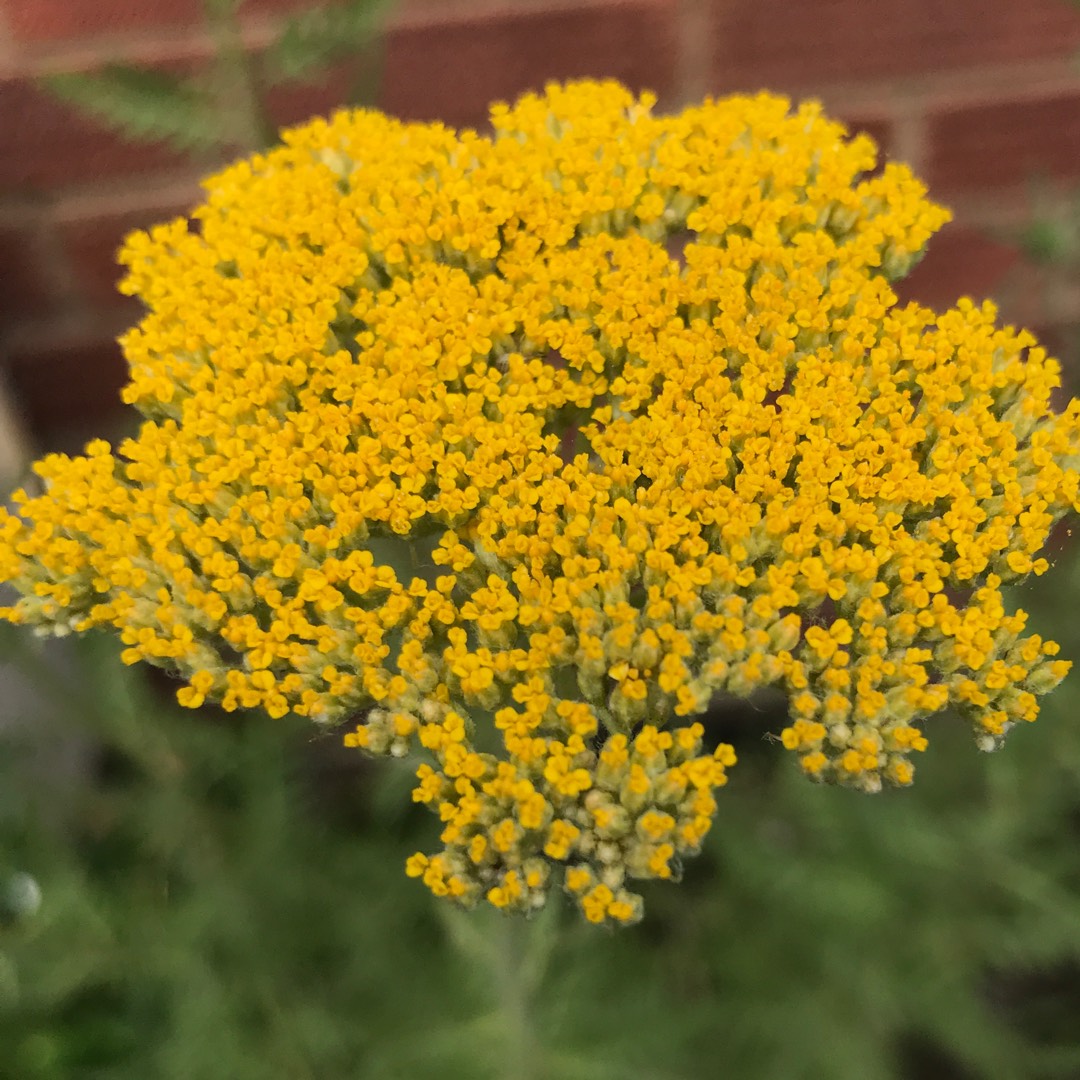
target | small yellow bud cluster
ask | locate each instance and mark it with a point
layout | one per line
(631, 811)
(635, 396)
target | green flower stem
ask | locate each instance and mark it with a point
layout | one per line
(245, 125)
(512, 956)
(514, 989)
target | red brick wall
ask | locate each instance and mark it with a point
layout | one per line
(981, 96)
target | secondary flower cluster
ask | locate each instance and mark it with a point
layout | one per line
(634, 394)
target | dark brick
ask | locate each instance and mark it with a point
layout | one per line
(777, 44)
(27, 290)
(959, 261)
(296, 103)
(69, 393)
(56, 20)
(1004, 144)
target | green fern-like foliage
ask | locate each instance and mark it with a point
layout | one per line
(222, 109)
(315, 39)
(143, 105)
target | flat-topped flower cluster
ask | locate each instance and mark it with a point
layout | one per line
(636, 393)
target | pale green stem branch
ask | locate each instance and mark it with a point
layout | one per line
(515, 1000)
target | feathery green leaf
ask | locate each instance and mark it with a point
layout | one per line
(143, 105)
(314, 39)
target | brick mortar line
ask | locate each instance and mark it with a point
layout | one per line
(695, 58)
(909, 142)
(91, 205)
(450, 11)
(86, 325)
(1005, 84)
(1007, 207)
(60, 273)
(1049, 307)
(984, 84)
(166, 45)
(126, 189)
(19, 212)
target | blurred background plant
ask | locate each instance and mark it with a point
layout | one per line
(220, 109)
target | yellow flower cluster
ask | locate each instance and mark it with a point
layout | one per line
(635, 394)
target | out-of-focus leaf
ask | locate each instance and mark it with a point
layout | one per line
(143, 105)
(1045, 242)
(20, 898)
(314, 39)
(221, 9)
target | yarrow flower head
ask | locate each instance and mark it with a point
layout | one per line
(636, 394)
